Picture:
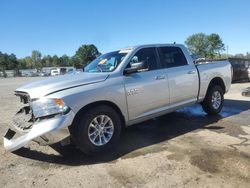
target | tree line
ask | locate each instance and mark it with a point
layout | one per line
(84, 55)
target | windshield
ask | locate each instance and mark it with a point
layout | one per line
(106, 62)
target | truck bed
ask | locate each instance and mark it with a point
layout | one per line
(212, 69)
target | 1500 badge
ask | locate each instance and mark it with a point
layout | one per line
(133, 91)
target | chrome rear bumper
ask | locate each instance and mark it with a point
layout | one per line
(45, 132)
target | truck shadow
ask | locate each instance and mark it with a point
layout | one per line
(135, 140)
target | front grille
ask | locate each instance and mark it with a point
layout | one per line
(23, 119)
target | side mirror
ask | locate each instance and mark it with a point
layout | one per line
(135, 67)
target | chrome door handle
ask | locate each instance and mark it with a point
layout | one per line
(191, 72)
(161, 77)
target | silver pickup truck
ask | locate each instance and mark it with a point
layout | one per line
(116, 90)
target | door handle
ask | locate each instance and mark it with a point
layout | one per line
(161, 77)
(191, 72)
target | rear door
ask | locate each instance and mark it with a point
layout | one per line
(146, 90)
(182, 77)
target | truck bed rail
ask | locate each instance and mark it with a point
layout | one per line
(204, 60)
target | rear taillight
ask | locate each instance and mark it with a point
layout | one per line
(232, 72)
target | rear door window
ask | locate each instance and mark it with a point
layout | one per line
(172, 57)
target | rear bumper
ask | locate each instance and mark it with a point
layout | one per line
(45, 132)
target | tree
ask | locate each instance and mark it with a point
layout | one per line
(55, 61)
(87, 53)
(239, 55)
(3, 63)
(64, 60)
(47, 61)
(205, 45)
(36, 57)
(28, 62)
(8, 62)
(197, 44)
(215, 45)
(12, 62)
(248, 55)
(22, 64)
(75, 62)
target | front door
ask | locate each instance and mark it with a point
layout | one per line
(146, 90)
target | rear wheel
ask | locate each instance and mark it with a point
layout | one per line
(214, 100)
(97, 130)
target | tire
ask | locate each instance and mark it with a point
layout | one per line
(89, 130)
(214, 93)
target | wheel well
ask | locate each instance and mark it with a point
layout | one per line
(94, 104)
(217, 81)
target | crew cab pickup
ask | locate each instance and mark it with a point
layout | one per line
(118, 89)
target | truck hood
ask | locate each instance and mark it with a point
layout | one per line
(44, 87)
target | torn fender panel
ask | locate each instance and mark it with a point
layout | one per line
(49, 126)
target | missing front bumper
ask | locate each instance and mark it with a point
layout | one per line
(45, 132)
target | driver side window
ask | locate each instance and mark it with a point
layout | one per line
(146, 55)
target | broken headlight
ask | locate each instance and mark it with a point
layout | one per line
(46, 107)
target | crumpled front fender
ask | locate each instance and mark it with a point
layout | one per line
(53, 126)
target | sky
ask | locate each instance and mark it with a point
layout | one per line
(62, 26)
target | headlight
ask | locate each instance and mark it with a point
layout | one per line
(45, 107)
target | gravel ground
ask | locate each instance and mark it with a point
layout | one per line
(182, 149)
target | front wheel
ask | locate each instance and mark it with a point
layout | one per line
(97, 130)
(214, 100)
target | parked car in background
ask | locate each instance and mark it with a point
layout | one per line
(75, 71)
(241, 69)
(116, 90)
(43, 74)
(54, 72)
(34, 74)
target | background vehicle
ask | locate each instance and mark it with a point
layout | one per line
(43, 74)
(116, 90)
(74, 71)
(54, 72)
(241, 69)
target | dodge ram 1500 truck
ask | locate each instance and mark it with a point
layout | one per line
(116, 90)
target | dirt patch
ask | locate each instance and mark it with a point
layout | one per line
(230, 163)
(126, 179)
(145, 151)
(231, 128)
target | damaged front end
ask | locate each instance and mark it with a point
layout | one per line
(42, 120)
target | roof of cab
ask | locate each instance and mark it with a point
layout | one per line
(149, 45)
